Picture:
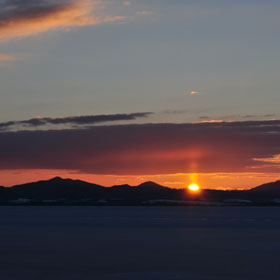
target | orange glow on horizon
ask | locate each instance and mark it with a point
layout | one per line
(220, 181)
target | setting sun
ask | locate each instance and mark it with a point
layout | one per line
(194, 187)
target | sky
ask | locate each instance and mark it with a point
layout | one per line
(113, 92)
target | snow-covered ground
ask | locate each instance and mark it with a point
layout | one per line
(139, 243)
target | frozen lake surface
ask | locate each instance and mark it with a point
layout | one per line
(139, 243)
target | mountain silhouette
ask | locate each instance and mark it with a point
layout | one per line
(55, 188)
(273, 187)
(68, 191)
(267, 191)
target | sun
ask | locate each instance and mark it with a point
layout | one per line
(194, 187)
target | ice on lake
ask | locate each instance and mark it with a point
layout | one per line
(151, 243)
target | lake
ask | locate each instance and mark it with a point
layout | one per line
(137, 243)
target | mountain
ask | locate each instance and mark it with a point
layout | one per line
(58, 189)
(151, 186)
(273, 187)
(55, 189)
(68, 191)
(267, 191)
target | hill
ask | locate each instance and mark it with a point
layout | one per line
(68, 191)
(273, 187)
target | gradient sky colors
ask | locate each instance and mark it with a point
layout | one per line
(127, 91)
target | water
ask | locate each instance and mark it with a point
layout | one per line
(134, 243)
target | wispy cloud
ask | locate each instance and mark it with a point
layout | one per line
(274, 159)
(213, 121)
(145, 12)
(19, 19)
(127, 3)
(72, 121)
(192, 92)
(7, 58)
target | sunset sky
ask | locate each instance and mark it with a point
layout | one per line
(114, 92)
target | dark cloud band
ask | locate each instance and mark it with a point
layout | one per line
(75, 120)
(147, 148)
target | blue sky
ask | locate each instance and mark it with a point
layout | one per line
(72, 73)
(148, 61)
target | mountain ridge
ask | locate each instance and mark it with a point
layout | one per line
(70, 191)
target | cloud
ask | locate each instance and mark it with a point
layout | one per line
(212, 121)
(274, 159)
(127, 3)
(74, 120)
(269, 115)
(146, 148)
(19, 19)
(172, 112)
(6, 58)
(113, 18)
(249, 116)
(193, 92)
(239, 117)
(145, 13)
